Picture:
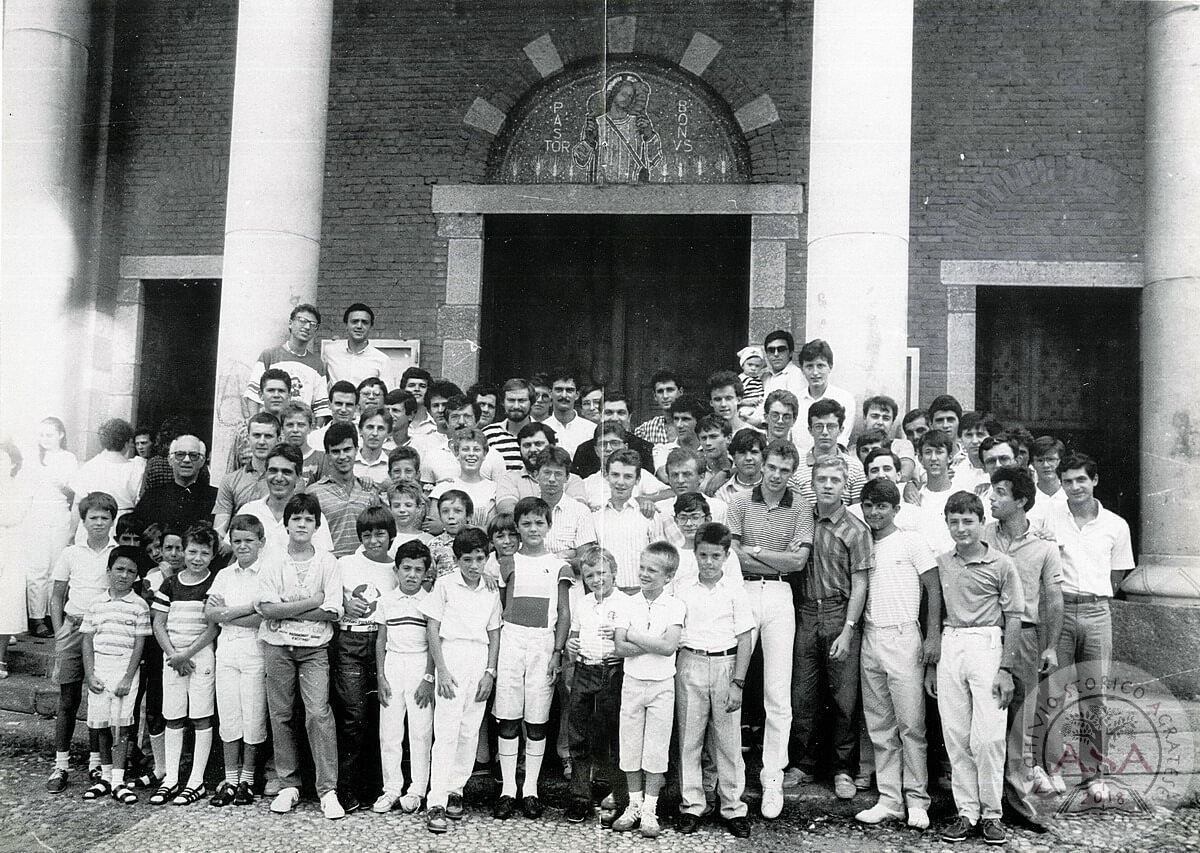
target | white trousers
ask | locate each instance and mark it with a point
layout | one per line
(771, 604)
(456, 721)
(893, 699)
(404, 674)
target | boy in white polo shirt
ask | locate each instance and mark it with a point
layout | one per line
(463, 630)
(406, 675)
(714, 654)
(647, 636)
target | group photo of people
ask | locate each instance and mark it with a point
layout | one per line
(399, 585)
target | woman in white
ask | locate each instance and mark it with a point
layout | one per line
(50, 516)
(15, 500)
(111, 471)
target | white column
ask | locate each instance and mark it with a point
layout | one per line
(1169, 566)
(46, 45)
(858, 190)
(276, 176)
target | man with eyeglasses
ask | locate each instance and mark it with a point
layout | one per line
(309, 384)
(825, 421)
(183, 501)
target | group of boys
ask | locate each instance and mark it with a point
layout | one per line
(962, 561)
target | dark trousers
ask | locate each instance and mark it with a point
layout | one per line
(356, 711)
(816, 676)
(593, 717)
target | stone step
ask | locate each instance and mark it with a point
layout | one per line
(33, 694)
(31, 656)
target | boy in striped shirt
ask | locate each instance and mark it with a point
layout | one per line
(114, 629)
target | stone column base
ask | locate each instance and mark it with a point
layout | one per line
(1162, 640)
(1169, 580)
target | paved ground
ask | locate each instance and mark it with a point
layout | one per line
(32, 820)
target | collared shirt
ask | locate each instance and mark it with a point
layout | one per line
(289, 579)
(172, 503)
(718, 511)
(116, 623)
(894, 582)
(656, 431)
(462, 612)
(86, 574)
(588, 616)
(183, 603)
(832, 392)
(784, 526)
(426, 426)
(376, 472)
(1090, 553)
(855, 478)
(343, 363)
(533, 584)
(980, 593)
(733, 487)
(654, 617)
(570, 525)
(841, 547)
(512, 485)
(505, 443)
(689, 572)
(716, 615)
(276, 531)
(1044, 505)
(625, 532)
(238, 586)
(239, 488)
(482, 494)
(1037, 561)
(573, 433)
(367, 579)
(341, 504)
(405, 622)
(597, 492)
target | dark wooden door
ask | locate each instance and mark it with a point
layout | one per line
(1064, 362)
(615, 297)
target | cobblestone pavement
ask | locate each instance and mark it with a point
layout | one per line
(33, 820)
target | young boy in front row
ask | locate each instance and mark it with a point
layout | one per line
(406, 674)
(114, 629)
(981, 591)
(463, 630)
(241, 668)
(714, 654)
(299, 599)
(647, 636)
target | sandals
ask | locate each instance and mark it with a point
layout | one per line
(188, 796)
(146, 780)
(164, 794)
(97, 790)
(124, 795)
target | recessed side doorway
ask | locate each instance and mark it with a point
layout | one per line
(615, 298)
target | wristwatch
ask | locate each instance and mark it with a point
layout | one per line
(740, 682)
(428, 677)
(756, 550)
(490, 671)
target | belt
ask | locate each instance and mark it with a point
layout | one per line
(772, 577)
(721, 654)
(604, 663)
(828, 601)
(359, 629)
(1074, 598)
(1025, 626)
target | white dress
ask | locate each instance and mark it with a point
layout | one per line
(49, 528)
(15, 503)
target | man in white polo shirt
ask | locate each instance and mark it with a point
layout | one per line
(356, 358)
(571, 428)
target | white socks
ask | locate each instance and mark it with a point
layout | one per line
(534, 752)
(506, 751)
(174, 744)
(200, 754)
(158, 746)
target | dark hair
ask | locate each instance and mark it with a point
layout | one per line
(249, 523)
(370, 382)
(375, 518)
(98, 500)
(503, 521)
(516, 384)
(1047, 445)
(662, 377)
(879, 491)
(556, 457)
(691, 405)
(682, 456)
(780, 335)
(533, 428)
(407, 488)
(882, 451)
(461, 401)
(1020, 481)
(625, 456)
(945, 403)
(483, 389)
(611, 426)
(531, 506)
(814, 349)
(295, 407)
(470, 539)
(782, 395)
(726, 379)
(289, 452)
(302, 502)
(614, 395)
(711, 422)
(406, 452)
(936, 438)
(1079, 460)
(443, 388)
(115, 433)
(825, 407)
(276, 373)
(692, 502)
(129, 552)
(358, 306)
(564, 373)
(995, 439)
(141, 430)
(338, 433)
(377, 412)
(745, 440)
(880, 401)
(970, 420)
(343, 387)
(871, 436)
(201, 534)
(913, 415)
(964, 503)
(457, 495)
(415, 372)
(397, 397)
(414, 549)
(305, 308)
(713, 533)
(129, 523)
(784, 449)
(540, 380)
(267, 418)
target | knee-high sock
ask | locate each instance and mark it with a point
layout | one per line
(174, 750)
(158, 746)
(506, 750)
(534, 752)
(200, 754)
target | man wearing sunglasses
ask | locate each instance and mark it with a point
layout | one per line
(183, 501)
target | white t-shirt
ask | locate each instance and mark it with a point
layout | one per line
(598, 492)
(483, 496)
(367, 579)
(653, 616)
(276, 532)
(894, 590)
(570, 435)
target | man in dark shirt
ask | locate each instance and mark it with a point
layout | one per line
(184, 500)
(615, 408)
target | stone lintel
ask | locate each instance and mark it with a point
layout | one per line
(786, 199)
(960, 299)
(459, 225)
(775, 227)
(992, 273)
(170, 266)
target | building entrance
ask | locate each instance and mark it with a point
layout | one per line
(615, 298)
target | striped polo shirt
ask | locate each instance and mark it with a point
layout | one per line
(505, 443)
(786, 526)
(570, 525)
(801, 481)
(115, 623)
(183, 603)
(625, 532)
(405, 622)
(841, 547)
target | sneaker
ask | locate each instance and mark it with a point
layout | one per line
(650, 827)
(577, 811)
(918, 818)
(843, 786)
(331, 807)
(410, 803)
(739, 827)
(629, 818)
(991, 831)
(272, 786)
(57, 783)
(772, 803)
(454, 807)
(531, 807)
(349, 802)
(568, 769)
(794, 776)
(687, 823)
(1033, 824)
(504, 808)
(285, 800)
(385, 803)
(878, 813)
(960, 830)
(436, 821)
(1040, 782)
(223, 796)
(243, 795)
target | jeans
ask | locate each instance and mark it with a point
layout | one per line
(817, 626)
(356, 714)
(309, 666)
(593, 718)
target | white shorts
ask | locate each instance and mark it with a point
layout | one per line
(241, 689)
(647, 714)
(523, 689)
(108, 709)
(190, 695)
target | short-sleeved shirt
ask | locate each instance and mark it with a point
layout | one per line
(625, 532)
(405, 622)
(482, 494)
(587, 617)
(656, 617)
(376, 472)
(308, 377)
(980, 593)
(655, 430)
(276, 531)
(86, 573)
(732, 487)
(284, 578)
(341, 505)
(442, 549)
(368, 580)
(122, 480)
(1090, 553)
(572, 434)
(506, 444)
(784, 526)
(688, 572)
(841, 546)
(1037, 561)
(533, 584)
(240, 487)
(513, 485)
(716, 615)
(116, 623)
(894, 591)
(463, 613)
(238, 586)
(343, 364)
(183, 603)
(597, 492)
(855, 478)
(570, 525)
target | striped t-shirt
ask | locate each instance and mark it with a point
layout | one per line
(894, 588)
(405, 622)
(533, 585)
(505, 443)
(116, 623)
(184, 605)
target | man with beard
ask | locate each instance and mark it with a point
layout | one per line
(502, 435)
(511, 486)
